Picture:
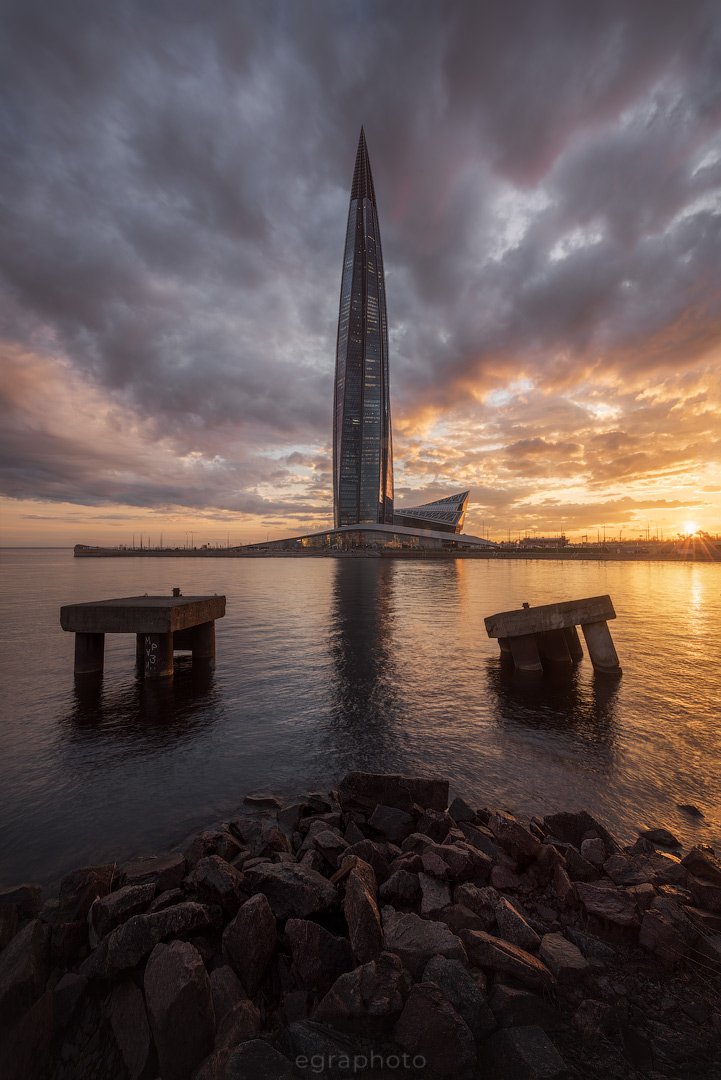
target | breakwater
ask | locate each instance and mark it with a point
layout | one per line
(367, 930)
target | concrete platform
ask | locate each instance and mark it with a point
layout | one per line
(548, 632)
(162, 625)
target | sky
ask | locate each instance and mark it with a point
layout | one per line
(174, 185)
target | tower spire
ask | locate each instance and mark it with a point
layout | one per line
(362, 175)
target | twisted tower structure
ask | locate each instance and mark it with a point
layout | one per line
(362, 440)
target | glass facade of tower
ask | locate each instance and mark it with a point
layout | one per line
(362, 441)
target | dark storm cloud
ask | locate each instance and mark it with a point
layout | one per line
(174, 192)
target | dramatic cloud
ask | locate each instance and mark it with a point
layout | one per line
(174, 192)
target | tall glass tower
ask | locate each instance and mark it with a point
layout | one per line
(362, 441)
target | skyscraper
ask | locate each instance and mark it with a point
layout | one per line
(362, 441)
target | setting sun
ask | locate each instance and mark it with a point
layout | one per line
(690, 528)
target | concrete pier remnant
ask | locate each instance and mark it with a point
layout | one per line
(548, 633)
(162, 625)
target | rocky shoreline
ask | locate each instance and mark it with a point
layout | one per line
(372, 931)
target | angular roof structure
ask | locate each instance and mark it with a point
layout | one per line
(446, 515)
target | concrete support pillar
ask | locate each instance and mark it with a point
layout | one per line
(574, 643)
(89, 653)
(204, 642)
(601, 648)
(505, 647)
(140, 653)
(158, 655)
(552, 646)
(525, 653)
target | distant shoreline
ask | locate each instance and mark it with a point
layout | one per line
(608, 554)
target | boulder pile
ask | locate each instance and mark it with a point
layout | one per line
(371, 931)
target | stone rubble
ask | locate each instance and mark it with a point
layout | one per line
(348, 932)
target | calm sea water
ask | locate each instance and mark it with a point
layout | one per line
(328, 665)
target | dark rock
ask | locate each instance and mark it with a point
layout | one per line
(408, 861)
(436, 824)
(658, 869)
(596, 1018)
(496, 955)
(435, 896)
(212, 842)
(612, 906)
(115, 908)
(370, 853)
(578, 868)
(392, 823)
(660, 836)
(563, 959)
(460, 990)
(180, 1008)
(128, 944)
(416, 844)
(512, 836)
(331, 845)
(80, 888)
(130, 1026)
(240, 1023)
(24, 1053)
(361, 913)
(702, 863)
(516, 1007)
(359, 789)
(367, 999)
(514, 928)
(67, 992)
(313, 860)
(463, 861)
(67, 939)
(262, 799)
(457, 918)
(308, 1043)
(163, 871)
(415, 941)
(23, 973)
(641, 847)
(289, 817)
(575, 828)
(431, 1028)
(226, 989)
(706, 894)
(661, 937)
(481, 838)
(594, 851)
(217, 882)
(257, 1060)
(594, 950)
(353, 833)
(562, 886)
(523, 1053)
(483, 901)
(250, 941)
(319, 956)
(26, 898)
(292, 891)
(461, 811)
(644, 895)
(296, 1006)
(401, 889)
(8, 924)
(503, 878)
(166, 899)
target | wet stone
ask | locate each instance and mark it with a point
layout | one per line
(249, 942)
(117, 907)
(180, 1008)
(163, 871)
(392, 823)
(26, 898)
(217, 882)
(292, 891)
